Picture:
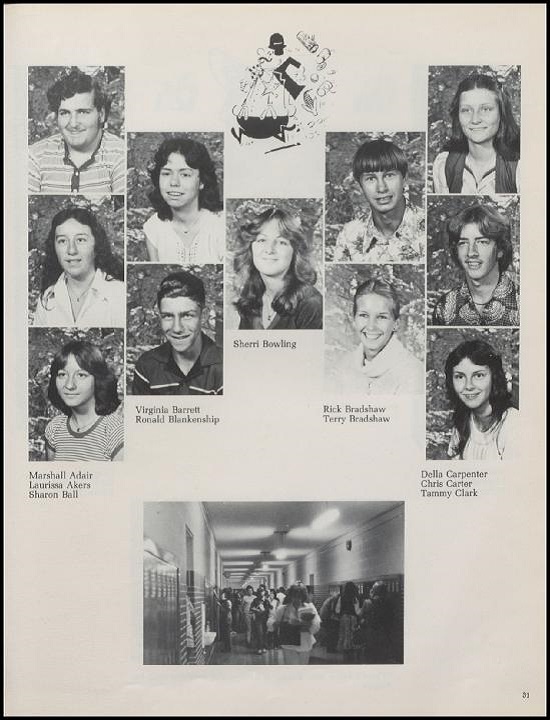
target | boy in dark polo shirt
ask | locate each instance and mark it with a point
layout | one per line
(189, 362)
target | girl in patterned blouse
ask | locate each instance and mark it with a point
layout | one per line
(187, 227)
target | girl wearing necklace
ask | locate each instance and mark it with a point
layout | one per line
(187, 227)
(277, 288)
(84, 388)
(82, 280)
(484, 420)
(482, 155)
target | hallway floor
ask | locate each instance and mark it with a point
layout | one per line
(242, 655)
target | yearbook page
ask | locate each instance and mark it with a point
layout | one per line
(274, 359)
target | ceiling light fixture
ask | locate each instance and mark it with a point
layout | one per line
(281, 553)
(325, 519)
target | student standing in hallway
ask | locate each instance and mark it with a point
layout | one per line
(298, 622)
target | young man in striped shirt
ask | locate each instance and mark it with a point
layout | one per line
(82, 157)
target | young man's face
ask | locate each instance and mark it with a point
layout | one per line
(383, 190)
(80, 122)
(180, 320)
(478, 255)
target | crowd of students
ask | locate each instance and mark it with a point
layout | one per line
(360, 629)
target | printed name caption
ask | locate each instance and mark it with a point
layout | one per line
(451, 483)
(337, 414)
(173, 414)
(59, 485)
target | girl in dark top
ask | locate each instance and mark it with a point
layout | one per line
(277, 291)
(348, 609)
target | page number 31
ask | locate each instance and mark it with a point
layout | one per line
(525, 695)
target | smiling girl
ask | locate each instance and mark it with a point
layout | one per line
(82, 278)
(186, 227)
(278, 292)
(380, 364)
(84, 388)
(482, 156)
(484, 418)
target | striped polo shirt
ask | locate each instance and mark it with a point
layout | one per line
(100, 442)
(52, 171)
(156, 372)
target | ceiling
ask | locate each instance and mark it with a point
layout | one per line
(243, 530)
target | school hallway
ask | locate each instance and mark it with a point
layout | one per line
(200, 558)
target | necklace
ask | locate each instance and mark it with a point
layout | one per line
(267, 309)
(484, 424)
(73, 295)
(82, 428)
(186, 230)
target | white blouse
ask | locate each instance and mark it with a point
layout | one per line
(104, 304)
(208, 245)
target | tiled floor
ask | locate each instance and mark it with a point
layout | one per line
(242, 655)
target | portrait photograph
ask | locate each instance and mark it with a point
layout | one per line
(76, 130)
(474, 120)
(175, 330)
(76, 261)
(472, 394)
(375, 329)
(473, 273)
(175, 197)
(274, 264)
(374, 197)
(76, 394)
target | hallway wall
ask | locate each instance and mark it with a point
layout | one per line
(377, 550)
(165, 523)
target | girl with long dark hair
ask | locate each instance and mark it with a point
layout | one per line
(187, 227)
(482, 155)
(484, 418)
(82, 277)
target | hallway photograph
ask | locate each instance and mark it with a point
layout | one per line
(273, 583)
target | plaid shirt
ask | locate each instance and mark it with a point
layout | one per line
(361, 241)
(51, 170)
(457, 307)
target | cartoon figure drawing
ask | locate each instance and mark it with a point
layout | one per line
(283, 87)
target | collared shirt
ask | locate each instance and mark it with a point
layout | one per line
(486, 185)
(104, 304)
(52, 171)
(361, 241)
(156, 372)
(393, 371)
(458, 308)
